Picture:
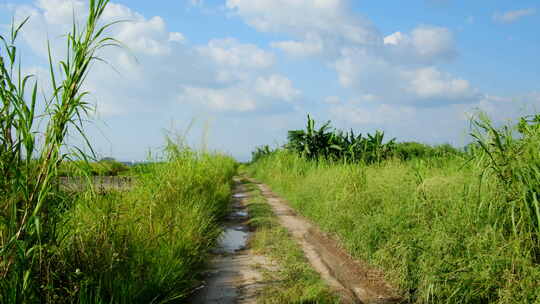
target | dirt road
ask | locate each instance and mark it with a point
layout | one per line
(236, 271)
(234, 275)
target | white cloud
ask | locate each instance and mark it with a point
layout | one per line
(264, 94)
(370, 74)
(447, 123)
(398, 68)
(312, 45)
(433, 84)
(159, 68)
(317, 23)
(423, 44)
(145, 36)
(396, 38)
(61, 11)
(176, 37)
(231, 53)
(433, 41)
(227, 99)
(276, 86)
(512, 16)
(52, 19)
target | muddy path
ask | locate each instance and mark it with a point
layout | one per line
(235, 273)
(235, 270)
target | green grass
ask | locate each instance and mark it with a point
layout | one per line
(293, 280)
(33, 146)
(99, 168)
(148, 245)
(440, 232)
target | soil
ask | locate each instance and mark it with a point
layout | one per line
(236, 271)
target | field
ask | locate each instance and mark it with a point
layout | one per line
(454, 228)
(440, 224)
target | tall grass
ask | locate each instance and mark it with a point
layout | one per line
(444, 229)
(29, 160)
(511, 155)
(148, 245)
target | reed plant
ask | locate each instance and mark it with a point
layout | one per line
(511, 155)
(30, 156)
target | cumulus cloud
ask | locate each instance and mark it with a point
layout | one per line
(431, 41)
(512, 16)
(447, 123)
(397, 68)
(158, 67)
(433, 84)
(276, 86)
(226, 99)
(312, 45)
(265, 94)
(176, 37)
(317, 26)
(368, 73)
(425, 44)
(60, 11)
(330, 17)
(229, 52)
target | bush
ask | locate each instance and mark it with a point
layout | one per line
(415, 150)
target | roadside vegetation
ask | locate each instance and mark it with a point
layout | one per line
(293, 279)
(145, 245)
(106, 167)
(327, 143)
(445, 225)
(150, 244)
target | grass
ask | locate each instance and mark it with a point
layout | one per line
(293, 280)
(440, 228)
(146, 245)
(99, 168)
(30, 155)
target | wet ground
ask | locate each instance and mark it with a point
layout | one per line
(233, 276)
(235, 272)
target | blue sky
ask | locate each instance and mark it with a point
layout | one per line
(246, 71)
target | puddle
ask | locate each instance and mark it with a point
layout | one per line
(233, 239)
(240, 214)
(229, 261)
(240, 195)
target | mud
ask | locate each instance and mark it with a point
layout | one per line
(234, 275)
